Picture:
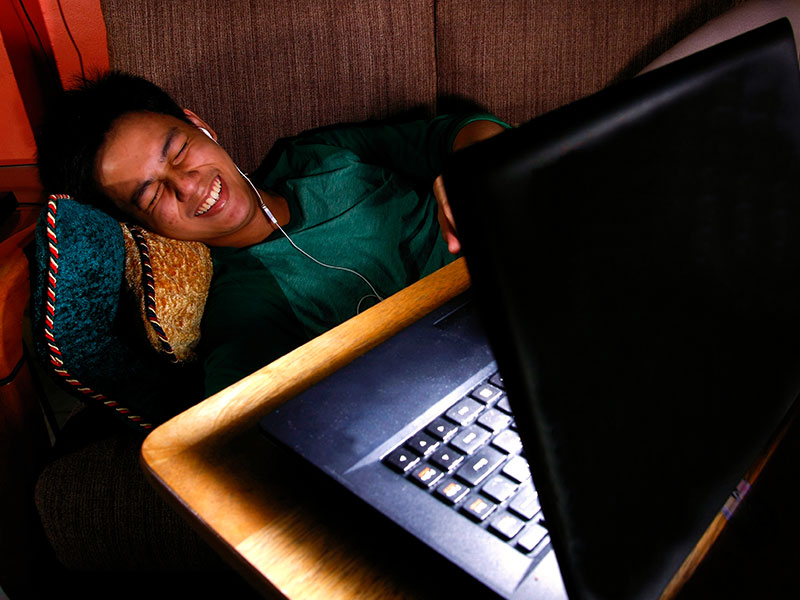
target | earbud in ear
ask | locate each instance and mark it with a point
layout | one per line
(211, 137)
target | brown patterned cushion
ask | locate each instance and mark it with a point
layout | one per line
(169, 280)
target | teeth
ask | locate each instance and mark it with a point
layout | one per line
(212, 198)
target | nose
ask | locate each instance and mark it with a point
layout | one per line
(185, 184)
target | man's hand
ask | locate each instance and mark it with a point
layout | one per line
(471, 133)
(445, 215)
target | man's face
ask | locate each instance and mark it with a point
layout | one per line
(176, 181)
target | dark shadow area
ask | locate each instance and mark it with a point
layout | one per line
(758, 552)
(457, 104)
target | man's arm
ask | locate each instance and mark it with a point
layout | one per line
(414, 149)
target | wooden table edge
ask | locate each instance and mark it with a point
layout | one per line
(172, 454)
(240, 405)
(216, 541)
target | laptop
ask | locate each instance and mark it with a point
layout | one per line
(628, 346)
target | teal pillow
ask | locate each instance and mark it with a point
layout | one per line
(92, 345)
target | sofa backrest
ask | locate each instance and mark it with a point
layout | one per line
(259, 70)
(521, 58)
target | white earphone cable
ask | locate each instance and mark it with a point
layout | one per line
(274, 221)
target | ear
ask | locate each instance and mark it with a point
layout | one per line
(198, 122)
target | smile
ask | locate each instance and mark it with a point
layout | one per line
(213, 196)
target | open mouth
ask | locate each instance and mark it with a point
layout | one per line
(213, 196)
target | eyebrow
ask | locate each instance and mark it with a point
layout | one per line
(137, 194)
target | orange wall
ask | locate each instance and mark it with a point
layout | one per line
(77, 33)
(17, 146)
(45, 43)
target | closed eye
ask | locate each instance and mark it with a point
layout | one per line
(155, 198)
(180, 153)
(176, 159)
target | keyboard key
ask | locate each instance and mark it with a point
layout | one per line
(486, 394)
(506, 526)
(470, 439)
(446, 459)
(422, 443)
(508, 441)
(531, 537)
(497, 381)
(504, 405)
(465, 411)
(479, 466)
(499, 488)
(401, 460)
(451, 491)
(441, 429)
(525, 503)
(426, 476)
(478, 508)
(494, 420)
(517, 468)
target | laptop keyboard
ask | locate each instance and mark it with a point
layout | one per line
(471, 458)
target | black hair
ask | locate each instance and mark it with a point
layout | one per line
(75, 126)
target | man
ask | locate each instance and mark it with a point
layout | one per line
(340, 219)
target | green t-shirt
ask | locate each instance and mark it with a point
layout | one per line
(360, 198)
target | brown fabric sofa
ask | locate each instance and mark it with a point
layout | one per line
(259, 70)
